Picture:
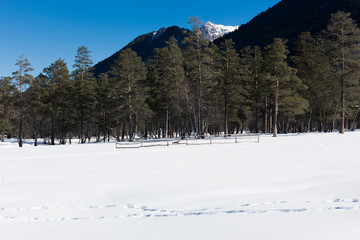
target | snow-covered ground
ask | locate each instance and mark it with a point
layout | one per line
(294, 187)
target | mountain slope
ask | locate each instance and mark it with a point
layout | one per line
(144, 46)
(288, 19)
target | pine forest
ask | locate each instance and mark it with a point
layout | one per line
(196, 88)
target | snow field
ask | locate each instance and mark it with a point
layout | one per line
(297, 186)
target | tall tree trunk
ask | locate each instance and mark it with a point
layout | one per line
(21, 119)
(266, 116)
(130, 128)
(123, 132)
(2, 135)
(287, 124)
(200, 103)
(167, 123)
(276, 108)
(256, 105)
(118, 132)
(52, 129)
(20, 132)
(226, 127)
(82, 126)
(35, 132)
(342, 130)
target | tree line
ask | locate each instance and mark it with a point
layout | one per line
(198, 89)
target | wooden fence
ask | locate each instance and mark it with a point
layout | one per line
(191, 140)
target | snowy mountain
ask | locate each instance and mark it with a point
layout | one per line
(145, 44)
(214, 31)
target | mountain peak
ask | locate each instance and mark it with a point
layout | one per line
(158, 33)
(144, 46)
(214, 31)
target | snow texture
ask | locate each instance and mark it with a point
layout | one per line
(296, 186)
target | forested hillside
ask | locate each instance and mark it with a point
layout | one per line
(144, 46)
(288, 19)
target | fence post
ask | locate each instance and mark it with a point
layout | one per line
(141, 143)
(258, 137)
(236, 138)
(210, 139)
(167, 142)
(187, 141)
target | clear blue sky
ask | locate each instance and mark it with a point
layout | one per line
(48, 30)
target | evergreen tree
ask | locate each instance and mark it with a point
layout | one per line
(251, 64)
(59, 98)
(167, 81)
(129, 74)
(198, 70)
(22, 79)
(313, 69)
(343, 37)
(84, 92)
(34, 105)
(104, 106)
(230, 85)
(6, 102)
(284, 83)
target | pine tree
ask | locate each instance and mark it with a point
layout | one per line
(104, 106)
(230, 84)
(37, 103)
(283, 83)
(6, 102)
(84, 92)
(167, 82)
(251, 64)
(129, 74)
(198, 70)
(313, 69)
(58, 98)
(22, 79)
(343, 37)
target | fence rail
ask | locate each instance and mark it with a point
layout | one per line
(210, 139)
(191, 140)
(143, 143)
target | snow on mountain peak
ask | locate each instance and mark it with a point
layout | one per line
(158, 33)
(213, 31)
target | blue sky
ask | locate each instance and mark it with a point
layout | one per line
(48, 30)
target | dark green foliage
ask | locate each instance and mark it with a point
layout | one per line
(129, 75)
(84, 92)
(199, 75)
(6, 103)
(104, 106)
(283, 84)
(35, 104)
(166, 77)
(342, 39)
(58, 99)
(22, 79)
(313, 68)
(251, 63)
(230, 84)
